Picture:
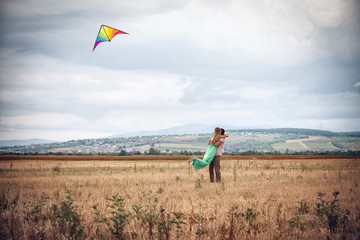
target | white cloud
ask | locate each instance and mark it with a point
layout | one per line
(138, 89)
(8, 96)
(328, 15)
(56, 135)
(257, 93)
(132, 121)
(235, 29)
(268, 31)
(145, 119)
(48, 120)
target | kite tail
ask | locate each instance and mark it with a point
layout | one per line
(208, 157)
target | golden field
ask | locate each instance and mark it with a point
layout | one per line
(162, 197)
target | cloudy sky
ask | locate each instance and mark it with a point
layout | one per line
(243, 63)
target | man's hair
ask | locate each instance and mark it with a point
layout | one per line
(222, 131)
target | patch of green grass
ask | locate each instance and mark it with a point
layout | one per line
(181, 146)
(294, 146)
(320, 145)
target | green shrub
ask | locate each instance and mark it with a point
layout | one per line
(56, 169)
(155, 218)
(67, 217)
(328, 210)
(298, 221)
(200, 229)
(116, 218)
(198, 184)
(250, 215)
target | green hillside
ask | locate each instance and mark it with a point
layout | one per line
(282, 140)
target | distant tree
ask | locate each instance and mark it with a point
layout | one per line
(185, 152)
(153, 151)
(122, 153)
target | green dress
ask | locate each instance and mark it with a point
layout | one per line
(208, 157)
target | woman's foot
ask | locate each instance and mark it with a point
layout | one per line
(191, 159)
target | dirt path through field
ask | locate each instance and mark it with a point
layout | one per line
(302, 140)
(311, 138)
(332, 145)
(303, 144)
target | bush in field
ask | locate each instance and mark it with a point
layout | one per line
(148, 219)
(198, 183)
(166, 221)
(36, 213)
(67, 217)
(200, 229)
(233, 227)
(56, 169)
(329, 211)
(301, 219)
(326, 213)
(250, 216)
(147, 216)
(116, 219)
(152, 217)
(157, 222)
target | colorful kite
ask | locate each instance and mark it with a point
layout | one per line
(106, 34)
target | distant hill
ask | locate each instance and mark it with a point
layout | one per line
(183, 129)
(9, 143)
(204, 128)
(310, 132)
(193, 139)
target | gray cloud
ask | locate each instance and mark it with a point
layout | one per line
(243, 63)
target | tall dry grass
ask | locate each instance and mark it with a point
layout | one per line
(257, 199)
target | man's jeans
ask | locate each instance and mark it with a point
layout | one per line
(215, 163)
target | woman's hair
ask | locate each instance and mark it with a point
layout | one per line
(222, 131)
(216, 135)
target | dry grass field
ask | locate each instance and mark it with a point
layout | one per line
(162, 197)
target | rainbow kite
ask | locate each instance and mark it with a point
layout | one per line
(106, 34)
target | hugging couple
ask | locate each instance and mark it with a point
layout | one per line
(212, 155)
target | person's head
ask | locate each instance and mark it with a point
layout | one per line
(222, 131)
(217, 131)
(216, 135)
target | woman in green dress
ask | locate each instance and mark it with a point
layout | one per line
(210, 152)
